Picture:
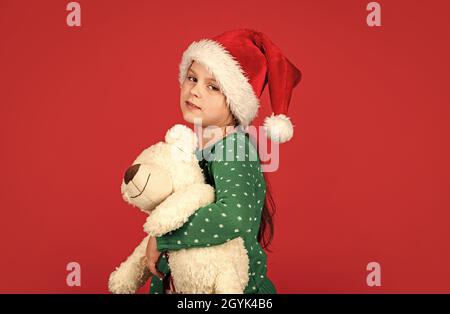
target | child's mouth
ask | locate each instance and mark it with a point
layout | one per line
(192, 106)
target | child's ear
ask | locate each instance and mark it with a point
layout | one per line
(183, 138)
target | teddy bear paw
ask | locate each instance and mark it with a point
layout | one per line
(118, 285)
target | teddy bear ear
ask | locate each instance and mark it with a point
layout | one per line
(183, 138)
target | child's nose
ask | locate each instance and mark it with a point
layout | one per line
(131, 172)
(195, 90)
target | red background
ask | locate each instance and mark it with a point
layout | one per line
(366, 177)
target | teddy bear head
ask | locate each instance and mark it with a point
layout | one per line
(162, 169)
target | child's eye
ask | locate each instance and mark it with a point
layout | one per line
(214, 88)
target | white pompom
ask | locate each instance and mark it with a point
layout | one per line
(278, 128)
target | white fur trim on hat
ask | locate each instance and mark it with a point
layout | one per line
(278, 128)
(234, 84)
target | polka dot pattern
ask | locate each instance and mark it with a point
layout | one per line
(240, 193)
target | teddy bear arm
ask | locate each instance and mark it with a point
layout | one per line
(175, 211)
(132, 273)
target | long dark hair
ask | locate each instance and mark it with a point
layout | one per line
(266, 226)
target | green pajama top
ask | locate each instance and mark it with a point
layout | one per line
(232, 167)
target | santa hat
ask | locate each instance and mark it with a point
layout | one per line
(243, 61)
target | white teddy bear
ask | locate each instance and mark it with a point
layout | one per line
(166, 181)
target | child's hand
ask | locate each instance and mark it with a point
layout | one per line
(153, 256)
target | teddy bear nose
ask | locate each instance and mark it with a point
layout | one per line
(131, 172)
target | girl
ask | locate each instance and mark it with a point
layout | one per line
(220, 80)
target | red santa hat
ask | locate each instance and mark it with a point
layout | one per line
(243, 61)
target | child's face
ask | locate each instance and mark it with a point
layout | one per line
(202, 90)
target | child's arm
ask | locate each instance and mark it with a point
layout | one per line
(236, 211)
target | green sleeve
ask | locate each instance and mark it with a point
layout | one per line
(233, 214)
